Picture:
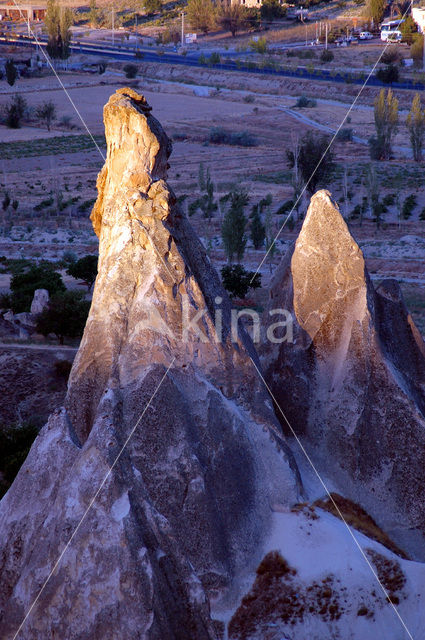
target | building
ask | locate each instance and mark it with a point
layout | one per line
(418, 15)
(16, 11)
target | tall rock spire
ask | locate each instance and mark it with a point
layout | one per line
(352, 383)
(185, 509)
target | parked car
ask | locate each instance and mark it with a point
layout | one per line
(365, 35)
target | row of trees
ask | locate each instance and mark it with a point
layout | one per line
(387, 122)
(206, 15)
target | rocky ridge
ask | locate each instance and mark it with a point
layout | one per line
(352, 383)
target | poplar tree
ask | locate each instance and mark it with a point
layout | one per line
(386, 124)
(58, 21)
(233, 230)
(416, 125)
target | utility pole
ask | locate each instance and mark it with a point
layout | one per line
(113, 25)
(423, 48)
(326, 35)
(182, 14)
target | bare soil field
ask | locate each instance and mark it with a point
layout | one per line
(43, 173)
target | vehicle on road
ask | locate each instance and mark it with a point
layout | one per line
(365, 35)
(390, 27)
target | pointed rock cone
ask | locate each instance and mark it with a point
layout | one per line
(176, 512)
(352, 381)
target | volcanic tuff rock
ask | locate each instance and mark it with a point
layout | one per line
(352, 384)
(186, 508)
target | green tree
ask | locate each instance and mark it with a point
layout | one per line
(206, 202)
(417, 50)
(376, 10)
(408, 29)
(233, 17)
(130, 70)
(233, 229)
(15, 112)
(152, 6)
(259, 46)
(257, 228)
(65, 316)
(24, 283)
(46, 112)
(84, 269)
(237, 280)
(315, 159)
(386, 124)
(11, 72)
(416, 125)
(388, 74)
(271, 9)
(58, 21)
(201, 15)
(94, 17)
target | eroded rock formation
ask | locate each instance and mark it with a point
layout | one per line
(187, 506)
(352, 383)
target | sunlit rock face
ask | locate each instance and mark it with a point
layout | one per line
(186, 509)
(352, 384)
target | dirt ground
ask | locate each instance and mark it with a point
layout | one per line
(36, 167)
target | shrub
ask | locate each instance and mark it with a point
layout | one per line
(408, 205)
(389, 199)
(390, 56)
(326, 55)
(259, 46)
(237, 280)
(214, 58)
(304, 102)
(422, 214)
(249, 98)
(130, 70)
(218, 135)
(315, 160)
(345, 135)
(388, 74)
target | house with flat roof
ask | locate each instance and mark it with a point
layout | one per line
(418, 15)
(22, 11)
